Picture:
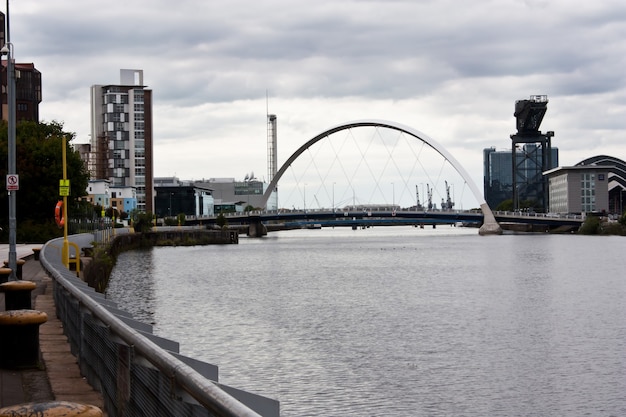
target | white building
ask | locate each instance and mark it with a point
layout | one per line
(100, 192)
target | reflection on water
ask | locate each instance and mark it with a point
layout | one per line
(397, 321)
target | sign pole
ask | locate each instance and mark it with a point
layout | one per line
(11, 156)
(65, 252)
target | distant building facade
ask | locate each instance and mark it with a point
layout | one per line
(121, 136)
(228, 192)
(174, 197)
(579, 189)
(27, 86)
(616, 179)
(498, 174)
(101, 193)
(98, 193)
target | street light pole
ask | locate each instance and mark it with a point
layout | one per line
(7, 50)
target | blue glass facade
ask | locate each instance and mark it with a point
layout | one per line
(498, 174)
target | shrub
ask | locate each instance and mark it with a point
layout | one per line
(142, 222)
(591, 226)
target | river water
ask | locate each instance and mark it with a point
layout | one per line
(397, 321)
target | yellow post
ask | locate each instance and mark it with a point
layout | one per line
(65, 252)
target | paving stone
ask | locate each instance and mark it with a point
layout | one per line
(60, 378)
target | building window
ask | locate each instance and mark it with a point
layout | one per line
(588, 192)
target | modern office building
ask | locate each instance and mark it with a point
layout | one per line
(174, 197)
(27, 86)
(616, 169)
(231, 193)
(121, 136)
(579, 189)
(498, 174)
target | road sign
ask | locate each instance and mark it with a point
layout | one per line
(64, 188)
(13, 182)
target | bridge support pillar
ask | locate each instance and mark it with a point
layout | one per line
(490, 224)
(256, 229)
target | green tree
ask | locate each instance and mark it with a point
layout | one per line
(221, 220)
(39, 163)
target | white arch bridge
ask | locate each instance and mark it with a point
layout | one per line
(388, 151)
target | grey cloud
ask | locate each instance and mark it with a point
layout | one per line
(465, 57)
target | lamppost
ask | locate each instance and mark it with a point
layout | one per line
(112, 213)
(7, 50)
(393, 196)
(334, 197)
(107, 202)
(171, 194)
(304, 198)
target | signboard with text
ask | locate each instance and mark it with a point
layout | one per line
(64, 188)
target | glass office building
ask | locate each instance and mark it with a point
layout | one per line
(498, 174)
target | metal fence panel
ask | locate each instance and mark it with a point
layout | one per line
(136, 376)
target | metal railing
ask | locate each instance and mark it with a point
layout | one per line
(137, 372)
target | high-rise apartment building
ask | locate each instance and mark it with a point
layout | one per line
(121, 135)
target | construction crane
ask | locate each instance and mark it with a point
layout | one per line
(418, 206)
(429, 192)
(449, 203)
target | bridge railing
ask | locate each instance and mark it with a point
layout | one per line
(138, 372)
(567, 216)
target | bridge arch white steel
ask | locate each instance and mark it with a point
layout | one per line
(490, 225)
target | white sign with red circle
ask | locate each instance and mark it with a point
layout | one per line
(13, 182)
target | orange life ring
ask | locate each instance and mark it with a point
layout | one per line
(58, 214)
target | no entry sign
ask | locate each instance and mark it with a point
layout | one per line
(13, 182)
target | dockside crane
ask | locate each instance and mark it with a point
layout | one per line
(449, 203)
(429, 191)
(418, 205)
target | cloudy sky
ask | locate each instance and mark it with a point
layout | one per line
(452, 69)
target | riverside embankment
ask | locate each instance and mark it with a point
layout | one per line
(100, 259)
(114, 350)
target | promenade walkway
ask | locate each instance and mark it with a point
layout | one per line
(59, 378)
